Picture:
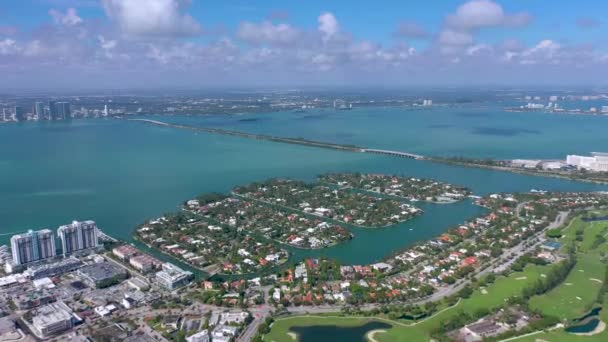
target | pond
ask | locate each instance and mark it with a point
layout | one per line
(594, 219)
(587, 327)
(586, 323)
(332, 333)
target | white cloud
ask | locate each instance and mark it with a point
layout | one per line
(479, 49)
(476, 14)
(452, 37)
(152, 17)
(8, 47)
(70, 18)
(328, 25)
(268, 33)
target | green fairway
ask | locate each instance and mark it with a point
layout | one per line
(495, 295)
(575, 296)
(571, 299)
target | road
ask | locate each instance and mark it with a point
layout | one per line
(518, 250)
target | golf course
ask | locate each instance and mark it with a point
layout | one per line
(571, 299)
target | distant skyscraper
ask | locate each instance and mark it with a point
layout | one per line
(105, 110)
(63, 110)
(52, 110)
(20, 114)
(39, 110)
(33, 246)
(6, 115)
(78, 236)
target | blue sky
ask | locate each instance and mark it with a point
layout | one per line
(194, 42)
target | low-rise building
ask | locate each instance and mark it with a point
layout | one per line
(145, 263)
(173, 277)
(201, 336)
(54, 269)
(125, 252)
(103, 274)
(32, 299)
(138, 284)
(52, 319)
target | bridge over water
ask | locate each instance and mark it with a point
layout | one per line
(296, 141)
(394, 153)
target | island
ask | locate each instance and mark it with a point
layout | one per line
(411, 188)
(341, 205)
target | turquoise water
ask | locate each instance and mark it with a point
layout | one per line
(471, 130)
(121, 173)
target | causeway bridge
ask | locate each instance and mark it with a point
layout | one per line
(286, 140)
(393, 153)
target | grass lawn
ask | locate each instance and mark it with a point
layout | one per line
(562, 336)
(496, 294)
(575, 296)
(591, 230)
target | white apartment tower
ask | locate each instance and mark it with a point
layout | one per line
(33, 246)
(78, 236)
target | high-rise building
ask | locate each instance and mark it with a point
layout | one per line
(63, 110)
(33, 246)
(20, 113)
(52, 110)
(78, 236)
(39, 110)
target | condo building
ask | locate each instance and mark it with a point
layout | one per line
(33, 246)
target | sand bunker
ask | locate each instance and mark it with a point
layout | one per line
(371, 335)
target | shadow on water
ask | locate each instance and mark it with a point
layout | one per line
(503, 132)
(332, 333)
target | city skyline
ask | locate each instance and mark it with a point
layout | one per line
(180, 43)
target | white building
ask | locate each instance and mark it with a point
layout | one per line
(201, 336)
(78, 236)
(51, 319)
(32, 246)
(598, 162)
(173, 277)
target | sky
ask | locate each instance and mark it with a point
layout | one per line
(95, 44)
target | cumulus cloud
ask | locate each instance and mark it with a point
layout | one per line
(328, 25)
(69, 18)
(410, 29)
(152, 17)
(269, 47)
(8, 46)
(268, 33)
(476, 14)
(457, 35)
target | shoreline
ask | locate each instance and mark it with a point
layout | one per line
(358, 149)
(601, 326)
(516, 170)
(371, 335)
